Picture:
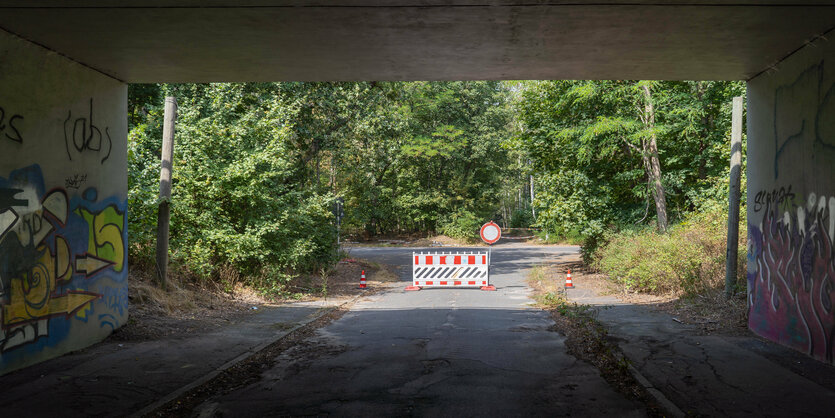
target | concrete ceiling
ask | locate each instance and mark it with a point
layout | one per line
(290, 40)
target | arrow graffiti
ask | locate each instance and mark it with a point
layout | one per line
(57, 257)
(89, 265)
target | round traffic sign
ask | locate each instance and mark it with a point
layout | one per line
(490, 232)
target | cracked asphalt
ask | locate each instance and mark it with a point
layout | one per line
(438, 352)
(710, 375)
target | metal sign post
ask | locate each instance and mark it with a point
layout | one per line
(490, 233)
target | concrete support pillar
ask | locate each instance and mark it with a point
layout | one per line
(63, 204)
(791, 201)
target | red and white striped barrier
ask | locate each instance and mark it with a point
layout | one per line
(468, 269)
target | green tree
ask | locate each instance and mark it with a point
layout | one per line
(238, 194)
(616, 148)
(257, 166)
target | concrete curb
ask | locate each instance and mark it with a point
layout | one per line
(249, 353)
(659, 397)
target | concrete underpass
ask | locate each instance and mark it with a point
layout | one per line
(64, 70)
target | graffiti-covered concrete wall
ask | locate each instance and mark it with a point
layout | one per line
(63, 184)
(791, 202)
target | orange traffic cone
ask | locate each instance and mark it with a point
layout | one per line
(568, 283)
(362, 280)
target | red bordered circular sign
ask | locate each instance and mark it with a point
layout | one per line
(490, 233)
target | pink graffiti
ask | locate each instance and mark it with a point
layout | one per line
(790, 292)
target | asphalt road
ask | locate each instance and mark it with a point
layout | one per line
(436, 352)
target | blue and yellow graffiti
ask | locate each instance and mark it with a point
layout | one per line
(58, 256)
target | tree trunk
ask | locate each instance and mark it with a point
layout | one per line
(533, 211)
(653, 166)
(318, 176)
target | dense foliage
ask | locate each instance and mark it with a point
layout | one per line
(428, 157)
(237, 197)
(589, 146)
(258, 168)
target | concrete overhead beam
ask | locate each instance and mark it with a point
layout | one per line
(269, 40)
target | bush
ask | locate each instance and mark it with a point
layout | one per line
(521, 218)
(238, 207)
(590, 245)
(463, 225)
(689, 260)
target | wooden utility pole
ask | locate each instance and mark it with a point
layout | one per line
(165, 188)
(733, 201)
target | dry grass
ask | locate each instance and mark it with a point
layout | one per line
(709, 308)
(183, 296)
(689, 260)
(186, 306)
(189, 305)
(338, 281)
(547, 293)
(382, 273)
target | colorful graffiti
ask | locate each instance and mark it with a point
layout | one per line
(791, 268)
(791, 276)
(60, 256)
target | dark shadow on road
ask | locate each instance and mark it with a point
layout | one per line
(115, 378)
(429, 362)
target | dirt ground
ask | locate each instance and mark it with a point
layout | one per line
(517, 235)
(343, 280)
(410, 241)
(712, 313)
(188, 308)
